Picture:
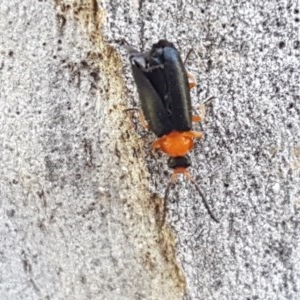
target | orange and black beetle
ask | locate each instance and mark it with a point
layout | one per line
(164, 91)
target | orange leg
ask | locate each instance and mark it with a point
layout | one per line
(192, 80)
(193, 134)
(192, 84)
(156, 145)
(197, 119)
(200, 117)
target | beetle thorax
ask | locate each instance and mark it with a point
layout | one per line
(175, 143)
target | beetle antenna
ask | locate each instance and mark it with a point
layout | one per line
(204, 200)
(168, 188)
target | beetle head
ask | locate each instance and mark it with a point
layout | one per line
(179, 162)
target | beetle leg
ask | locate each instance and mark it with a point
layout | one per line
(209, 99)
(202, 110)
(201, 117)
(141, 116)
(192, 80)
(191, 76)
(194, 134)
(197, 119)
(157, 144)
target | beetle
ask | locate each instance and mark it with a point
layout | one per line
(164, 90)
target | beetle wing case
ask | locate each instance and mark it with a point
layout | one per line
(152, 106)
(163, 88)
(178, 98)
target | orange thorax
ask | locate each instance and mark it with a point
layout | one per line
(177, 143)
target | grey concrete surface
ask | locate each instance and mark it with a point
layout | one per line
(80, 190)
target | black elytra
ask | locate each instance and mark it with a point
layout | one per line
(163, 88)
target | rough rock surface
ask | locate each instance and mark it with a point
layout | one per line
(80, 190)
